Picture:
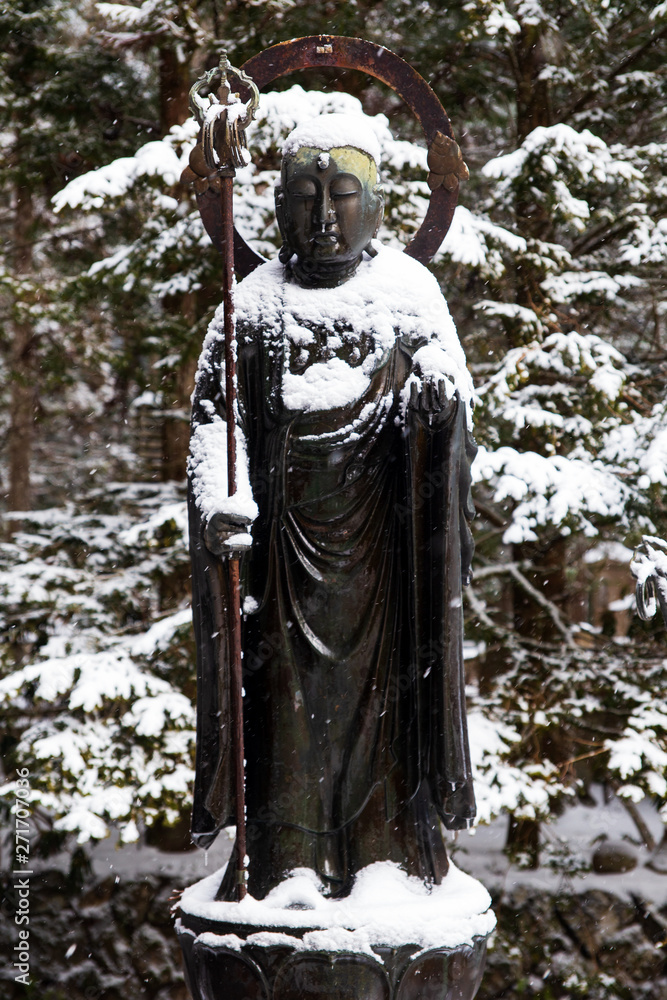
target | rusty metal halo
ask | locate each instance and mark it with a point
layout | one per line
(340, 52)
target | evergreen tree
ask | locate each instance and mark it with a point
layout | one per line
(64, 100)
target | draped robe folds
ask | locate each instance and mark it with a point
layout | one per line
(354, 715)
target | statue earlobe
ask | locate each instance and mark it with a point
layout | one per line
(379, 194)
(285, 253)
(280, 211)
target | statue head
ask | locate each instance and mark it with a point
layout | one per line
(329, 203)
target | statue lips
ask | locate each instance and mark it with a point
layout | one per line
(327, 243)
(327, 239)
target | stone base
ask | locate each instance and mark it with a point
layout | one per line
(222, 965)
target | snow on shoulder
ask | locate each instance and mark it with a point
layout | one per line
(390, 296)
(334, 131)
(385, 907)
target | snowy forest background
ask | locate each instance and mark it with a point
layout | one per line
(555, 273)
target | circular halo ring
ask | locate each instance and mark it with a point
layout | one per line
(339, 52)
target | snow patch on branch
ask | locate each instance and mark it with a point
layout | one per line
(471, 239)
(587, 155)
(556, 491)
(162, 158)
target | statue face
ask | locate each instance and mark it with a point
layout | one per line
(330, 205)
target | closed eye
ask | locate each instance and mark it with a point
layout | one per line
(345, 186)
(303, 189)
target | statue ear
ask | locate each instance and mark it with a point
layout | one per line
(280, 212)
(286, 253)
(378, 191)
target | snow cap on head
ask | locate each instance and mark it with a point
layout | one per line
(331, 131)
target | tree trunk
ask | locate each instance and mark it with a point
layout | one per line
(523, 841)
(176, 423)
(175, 83)
(533, 103)
(533, 109)
(175, 86)
(23, 384)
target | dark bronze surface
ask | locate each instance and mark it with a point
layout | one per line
(222, 142)
(232, 564)
(278, 972)
(355, 751)
(328, 210)
(355, 732)
(352, 53)
(651, 588)
(445, 163)
(354, 704)
(323, 975)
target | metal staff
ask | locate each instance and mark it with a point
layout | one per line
(213, 163)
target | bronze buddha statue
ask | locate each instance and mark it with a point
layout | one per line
(353, 422)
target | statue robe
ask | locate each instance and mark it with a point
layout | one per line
(354, 714)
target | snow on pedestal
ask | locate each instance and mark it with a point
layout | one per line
(392, 938)
(385, 907)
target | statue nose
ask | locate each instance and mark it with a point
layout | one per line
(326, 210)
